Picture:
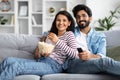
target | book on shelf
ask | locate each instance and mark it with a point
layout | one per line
(12, 20)
(33, 21)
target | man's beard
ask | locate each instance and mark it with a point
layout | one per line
(82, 26)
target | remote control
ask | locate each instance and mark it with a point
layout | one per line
(79, 50)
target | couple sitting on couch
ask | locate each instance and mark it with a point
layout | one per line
(91, 60)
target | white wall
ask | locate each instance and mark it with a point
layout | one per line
(101, 8)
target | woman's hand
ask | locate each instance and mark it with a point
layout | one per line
(42, 39)
(45, 54)
(37, 55)
(53, 37)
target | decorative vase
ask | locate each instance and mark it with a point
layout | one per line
(52, 11)
(5, 5)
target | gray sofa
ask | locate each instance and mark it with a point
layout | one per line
(24, 45)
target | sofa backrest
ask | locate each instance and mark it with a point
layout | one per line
(18, 45)
(113, 38)
(21, 45)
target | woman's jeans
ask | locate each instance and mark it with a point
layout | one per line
(106, 65)
(12, 67)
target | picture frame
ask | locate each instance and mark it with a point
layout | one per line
(23, 11)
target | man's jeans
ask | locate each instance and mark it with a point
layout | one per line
(12, 67)
(106, 65)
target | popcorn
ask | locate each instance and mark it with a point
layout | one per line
(45, 47)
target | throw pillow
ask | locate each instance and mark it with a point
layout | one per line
(114, 53)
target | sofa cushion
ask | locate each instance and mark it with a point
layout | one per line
(112, 37)
(6, 52)
(114, 53)
(19, 41)
(113, 44)
(79, 77)
(17, 45)
(27, 77)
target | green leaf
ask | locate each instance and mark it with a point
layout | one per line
(2, 20)
(99, 29)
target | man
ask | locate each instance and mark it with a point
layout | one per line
(93, 57)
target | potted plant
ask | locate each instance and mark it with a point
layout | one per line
(2, 20)
(108, 22)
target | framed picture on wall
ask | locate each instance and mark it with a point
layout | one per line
(23, 11)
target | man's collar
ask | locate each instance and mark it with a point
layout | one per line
(89, 33)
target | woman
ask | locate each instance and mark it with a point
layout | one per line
(61, 35)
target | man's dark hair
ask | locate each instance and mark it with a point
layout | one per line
(80, 7)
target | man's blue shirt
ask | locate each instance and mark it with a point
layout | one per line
(96, 41)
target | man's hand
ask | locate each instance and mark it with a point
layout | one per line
(53, 37)
(85, 55)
